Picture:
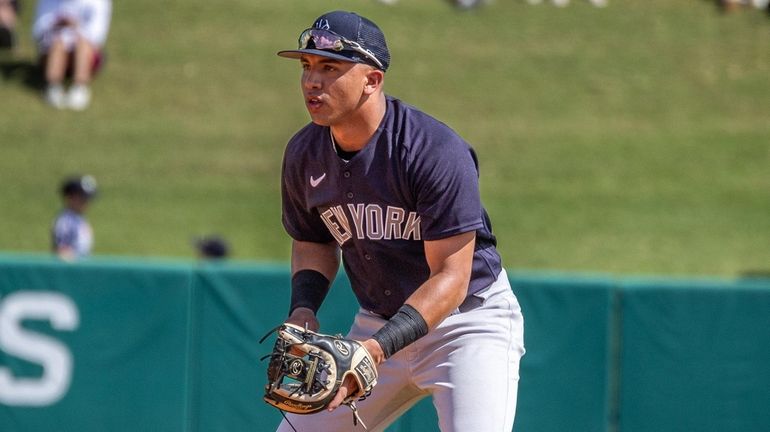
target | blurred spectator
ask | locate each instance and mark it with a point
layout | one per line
(72, 236)
(70, 35)
(731, 5)
(562, 3)
(212, 247)
(460, 4)
(9, 10)
(470, 4)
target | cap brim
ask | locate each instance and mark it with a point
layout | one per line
(295, 54)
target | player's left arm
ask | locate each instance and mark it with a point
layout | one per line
(450, 261)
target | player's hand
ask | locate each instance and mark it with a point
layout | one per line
(375, 350)
(305, 318)
(66, 254)
(349, 385)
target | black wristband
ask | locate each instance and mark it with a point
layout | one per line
(403, 328)
(308, 289)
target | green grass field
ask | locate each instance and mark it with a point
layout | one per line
(632, 139)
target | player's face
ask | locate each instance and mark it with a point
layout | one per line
(76, 202)
(333, 89)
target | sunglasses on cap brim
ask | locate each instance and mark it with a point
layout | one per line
(328, 40)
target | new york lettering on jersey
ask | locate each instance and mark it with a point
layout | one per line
(371, 222)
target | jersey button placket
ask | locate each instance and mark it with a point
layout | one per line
(348, 184)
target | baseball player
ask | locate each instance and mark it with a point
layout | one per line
(395, 193)
(71, 235)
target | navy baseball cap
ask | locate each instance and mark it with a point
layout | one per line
(82, 185)
(344, 36)
(212, 247)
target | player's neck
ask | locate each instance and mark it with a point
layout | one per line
(355, 132)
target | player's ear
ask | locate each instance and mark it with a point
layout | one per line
(374, 79)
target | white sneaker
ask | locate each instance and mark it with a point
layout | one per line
(54, 96)
(599, 3)
(79, 97)
(560, 3)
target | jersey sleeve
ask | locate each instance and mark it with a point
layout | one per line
(448, 198)
(300, 221)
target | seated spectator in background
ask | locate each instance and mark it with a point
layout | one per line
(470, 4)
(460, 4)
(562, 3)
(731, 5)
(9, 10)
(212, 247)
(70, 35)
(72, 236)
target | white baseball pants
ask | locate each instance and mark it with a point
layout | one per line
(469, 364)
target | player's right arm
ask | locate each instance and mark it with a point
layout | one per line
(311, 263)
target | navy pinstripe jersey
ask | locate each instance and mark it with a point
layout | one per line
(415, 180)
(72, 230)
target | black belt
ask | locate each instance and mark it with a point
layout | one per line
(471, 302)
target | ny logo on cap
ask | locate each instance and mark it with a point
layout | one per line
(322, 24)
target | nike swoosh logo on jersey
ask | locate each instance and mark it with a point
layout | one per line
(316, 181)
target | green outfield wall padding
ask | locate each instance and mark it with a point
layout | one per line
(127, 342)
(566, 371)
(232, 310)
(147, 345)
(695, 357)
